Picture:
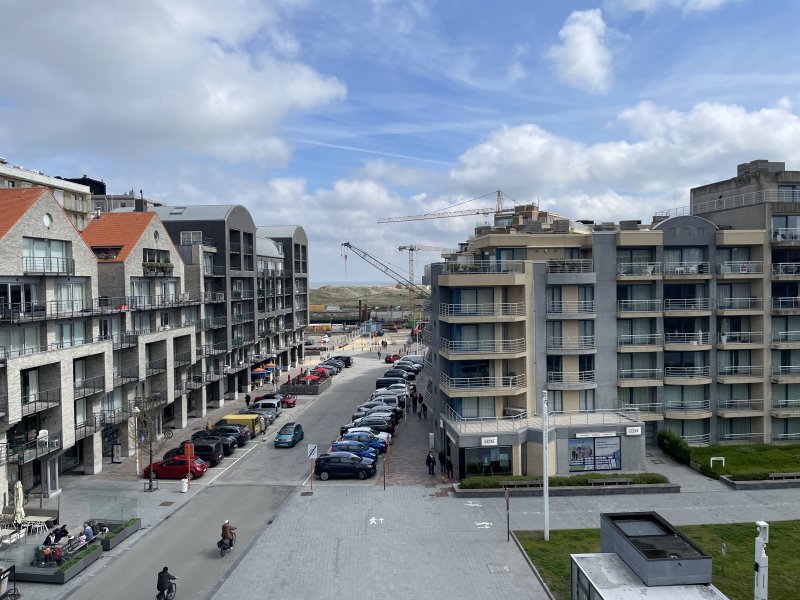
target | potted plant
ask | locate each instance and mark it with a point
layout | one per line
(120, 533)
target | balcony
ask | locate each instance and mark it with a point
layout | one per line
(198, 241)
(639, 270)
(128, 339)
(785, 409)
(580, 344)
(154, 367)
(701, 439)
(157, 269)
(687, 375)
(638, 342)
(219, 348)
(193, 382)
(16, 453)
(738, 305)
(740, 269)
(90, 426)
(788, 438)
(39, 401)
(576, 380)
(786, 236)
(48, 265)
(87, 387)
(467, 313)
(182, 359)
(638, 307)
(790, 304)
(740, 373)
(128, 375)
(640, 378)
(734, 339)
(735, 439)
(236, 319)
(653, 411)
(786, 270)
(687, 305)
(682, 270)
(687, 341)
(570, 272)
(213, 271)
(732, 409)
(688, 409)
(457, 349)
(483, 267)
(570, 309)
(113, 416)
(482, 386)
(785, 339)
(786, 373)
(211, 376)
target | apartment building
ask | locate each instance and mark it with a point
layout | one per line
(74, 198)
(690, 323)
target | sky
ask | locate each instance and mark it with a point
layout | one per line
(332, 114)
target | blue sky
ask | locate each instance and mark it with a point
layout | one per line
(332, 114)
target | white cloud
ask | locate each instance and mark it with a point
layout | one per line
(394, 174)
(652, 6)
(128, 80)
(582, 59)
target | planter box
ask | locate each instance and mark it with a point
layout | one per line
(53, 575)
(108, 544)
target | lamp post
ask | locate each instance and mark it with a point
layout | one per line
(135, 412)
(545, 465)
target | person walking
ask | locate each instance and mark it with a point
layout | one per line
(441, 460)
(421, 407)
(379, 354)
(449, 469)
(424, 411)
(414, 403)
(431, 462)
(247, 400)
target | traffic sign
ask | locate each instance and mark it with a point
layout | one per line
(312, 451)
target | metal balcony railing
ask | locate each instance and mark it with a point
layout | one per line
(579, 342)
(743, 370)
(640, 339)
(570, 306)
(741, 337)
(570, 377)
(687, 268)
(639, 374)
(88, 427)
(113, 416)
(570, 265)
(687, 304)
(477, 383)
(688, 405)
(508, 309)
(645, 407)
(740, 267)
(701, 337)
(213, 271)
(687, 372)
(219, 348)
(154, 367)
(741, 405)
(126, 375)
(785, 336)
(785, 303)
(702, 439)
(87, 387)
(42, 400)
(125, 340)
(182, 359)
(16, 453)
(785, 269)
(640, 305)
(483, 346)
(785, 370)
(485, 267)
(785, 404)
(48, 264)
(785, 234)
(639, 269)
(740, 303)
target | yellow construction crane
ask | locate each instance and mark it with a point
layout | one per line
(497, 210)
(412, 248)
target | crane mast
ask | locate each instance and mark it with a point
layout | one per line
(404, 281)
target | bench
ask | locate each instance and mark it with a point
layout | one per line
(611, 481)
(521, 484)
(784, 475)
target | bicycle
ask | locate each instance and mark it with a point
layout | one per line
(167, 433)
(26, 496)
(170, 593)
(225, 546)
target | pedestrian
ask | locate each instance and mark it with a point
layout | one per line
(288, 379)
(247, 400)
(379, 354)
(421, 407)
(424, 411)
(431, 462)
(263, 423)
(449, 469)
(208, 426)
(441, 460)
(414, 403)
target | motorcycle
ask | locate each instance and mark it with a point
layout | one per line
(226, 545)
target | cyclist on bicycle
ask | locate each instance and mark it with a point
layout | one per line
(164, 579)
(227, 532)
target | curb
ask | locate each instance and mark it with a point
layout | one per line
(633, 489)
(532, 566)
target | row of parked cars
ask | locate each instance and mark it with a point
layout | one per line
(371, 429)
(210, 445)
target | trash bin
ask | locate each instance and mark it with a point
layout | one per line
(184, 485)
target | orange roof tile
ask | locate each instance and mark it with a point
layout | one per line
(117, 230)
(15, 202)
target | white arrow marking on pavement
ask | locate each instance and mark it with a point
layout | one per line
(472, 503)
(483, 525)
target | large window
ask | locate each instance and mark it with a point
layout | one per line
(46, 255)
(595, 454)
(488, 461)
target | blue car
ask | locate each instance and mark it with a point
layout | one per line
(355, 447)
(289, 435)
(365, 437)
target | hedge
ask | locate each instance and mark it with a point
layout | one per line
(582, 479)
(675, 446)
(118, 529)
(79, 557)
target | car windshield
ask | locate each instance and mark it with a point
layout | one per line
(287, 430)
(198, 461)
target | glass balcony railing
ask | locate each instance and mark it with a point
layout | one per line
(640, 339)
(740, 267)
(686, 268)
(483, 346)
(639, 374)
(701, 337)
(512, 309)
(687, 372)
(571, 377)
(570, 306)
(569, 265)
(740, 303)
(687, 304)
(639, 269)
(741, 370)
(579, 342)
(741, 337)
(640, 305)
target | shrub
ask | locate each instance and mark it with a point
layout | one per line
(675, 446)
(488, 483)
(79, 557)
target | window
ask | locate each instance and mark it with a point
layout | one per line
(177, 210)
(555, 401)
(71, 333)
(191, 237)
(586, 401)
(8, 183)
(46, 255)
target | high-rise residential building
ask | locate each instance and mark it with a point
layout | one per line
(690, 323)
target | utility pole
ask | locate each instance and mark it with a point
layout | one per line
(761, 568)
(545, 461)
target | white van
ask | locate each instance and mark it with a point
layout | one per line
(271, 405)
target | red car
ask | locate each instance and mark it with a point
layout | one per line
(390, 358)
(176, 468)
(287, 400)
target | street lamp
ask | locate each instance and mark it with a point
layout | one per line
(135, 412)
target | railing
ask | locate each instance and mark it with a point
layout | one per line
(154, 367)
(701, 337)
(688, 406)
(87, 387)
(241, 318)
(639, 374)
(640, 305)
(570, 306)
(785, 336)
(569, 265)
(509, 309)
(741, 337)
(786, 234)
(219, 348)
(485, 424)
(127, 375)
(483, 346)
(570, 377)
(477, 383)
(88, 427)
(201, 241)
(183, 359)
(645, 407)
(786, 268)
(744, 370)
(789, 370)
(740, 267)
(702, 439)
(485, 267)
(743, 405)
(687, 304)
(785, 437)
(725, 202)
(14, 453)
(33, 403)
(211, 376)
(640, 339)
(687, 268)
(45, 264)
(237, 342)
(784, 303)
(740, 303)
(580, 342)
(213, 296)
(213, 271)
(193, 382)
(112, 416)
(639, 269)
(687, 372)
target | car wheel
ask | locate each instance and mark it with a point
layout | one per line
(324, 475)
(284, 405)
(153, 474)
(191, 475)
(362, 475)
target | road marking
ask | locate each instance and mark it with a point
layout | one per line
(483, 525)
(375, 521)
(229, 464)
(472, 503)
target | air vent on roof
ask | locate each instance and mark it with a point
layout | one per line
(533, 227)
(586, 221)
(629, 225)
(561, 226)
(606, 226)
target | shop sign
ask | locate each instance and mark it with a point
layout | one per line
(596, 434)
(489, 441)
(637, 430)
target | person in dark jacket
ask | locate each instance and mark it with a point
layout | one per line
(431, 462)
(164, 579)
(442, 458)
(449, 467)
(227, 532)
(247, 400)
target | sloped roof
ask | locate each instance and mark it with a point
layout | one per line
(117, 230)
(197, 212)
(15, 202)
(268, 247)
(281, 231)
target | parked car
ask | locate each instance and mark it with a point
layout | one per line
(209, 449)
(376, 422)
(355, 447)
(347, 360)
(412, 372)
(397, 373)
(416, 358)
(239, 432)
(388, 397)
(286, 400)
(334, 362)
(270, 404)
(176, 468)
(417, 367)
(380, 407)
(390, 358)
(343, 464)
(289, 435)
(229, 442)
(309, 342)
(382, 436)
(332, 369)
